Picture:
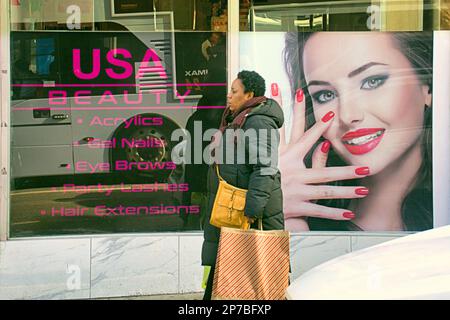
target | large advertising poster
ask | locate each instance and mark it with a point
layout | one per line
(356, 151)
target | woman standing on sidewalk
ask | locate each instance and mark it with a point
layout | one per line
(249, 110)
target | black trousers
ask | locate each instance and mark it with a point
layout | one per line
(209, 285)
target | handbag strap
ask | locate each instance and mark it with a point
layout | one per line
(218, 174)
(260, 225)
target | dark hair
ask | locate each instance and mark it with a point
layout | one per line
(252, 82)
(417, 206)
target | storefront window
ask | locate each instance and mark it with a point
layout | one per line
(364, 79)
(100, 91)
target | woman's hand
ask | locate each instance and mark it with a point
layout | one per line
(250, 220)
(301, 185)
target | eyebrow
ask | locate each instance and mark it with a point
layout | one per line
(318, 83)
(350, 75)
(364, 68)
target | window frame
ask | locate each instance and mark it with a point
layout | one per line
(4, 119)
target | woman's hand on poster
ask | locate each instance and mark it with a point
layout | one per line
(301, 185)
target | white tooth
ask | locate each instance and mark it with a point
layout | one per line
(364, 139)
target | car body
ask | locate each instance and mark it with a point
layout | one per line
(416, 266)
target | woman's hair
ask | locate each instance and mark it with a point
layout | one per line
(417, 206)
(252, 82)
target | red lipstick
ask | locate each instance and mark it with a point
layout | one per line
(362, 141)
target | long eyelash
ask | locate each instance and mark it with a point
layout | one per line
(382, 79)
(316, 95)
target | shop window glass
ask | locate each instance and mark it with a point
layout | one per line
(94, 108)
(187, 15)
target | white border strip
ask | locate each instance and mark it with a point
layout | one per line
(441, 128)
(4, 119)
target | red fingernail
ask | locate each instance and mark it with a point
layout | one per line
(328, 116)
(348, 215)
(299, 95)
(362, 191)
(363, 171)
(325, 146)
(274, 89)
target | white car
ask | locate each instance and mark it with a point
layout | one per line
(413, 267)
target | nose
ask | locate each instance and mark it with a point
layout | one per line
(351, 109)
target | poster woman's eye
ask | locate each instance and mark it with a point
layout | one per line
(373, 82)
(324, 96)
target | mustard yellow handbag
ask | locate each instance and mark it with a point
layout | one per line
(228, 208)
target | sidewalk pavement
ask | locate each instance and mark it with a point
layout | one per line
(184, 296)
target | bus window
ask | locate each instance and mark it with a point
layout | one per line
(32, 63)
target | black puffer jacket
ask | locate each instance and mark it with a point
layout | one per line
(262, 178)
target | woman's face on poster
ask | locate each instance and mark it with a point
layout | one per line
(371, 86)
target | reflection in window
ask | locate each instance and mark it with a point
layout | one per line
(308, 16)
(100, 160)
(65, 177)
(33, 61)
(136, 15)
(345, 15)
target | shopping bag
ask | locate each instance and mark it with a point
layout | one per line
(251, 265)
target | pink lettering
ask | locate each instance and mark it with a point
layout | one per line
(183, 96)
(128, 69)
(84, 166)
(107, 97)
(57, 97)
(77, 65)
(79, 97)
(150, 54)
(128, 101)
